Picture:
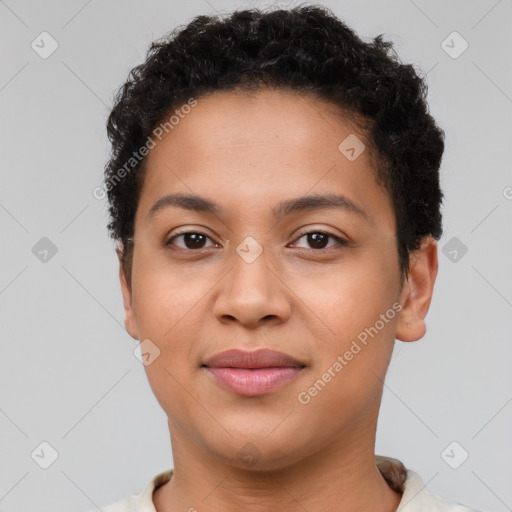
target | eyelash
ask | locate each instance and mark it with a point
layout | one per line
(339, 240)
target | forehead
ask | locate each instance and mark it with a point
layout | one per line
(268, 116)
(254, 148)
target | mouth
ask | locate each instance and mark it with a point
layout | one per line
(253, 373)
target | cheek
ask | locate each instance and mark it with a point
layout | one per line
(351, 296)
(354, 311)
(351, 363)
(165, 297)
(168, 310)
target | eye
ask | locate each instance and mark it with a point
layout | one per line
(319, 239)
(191, 240)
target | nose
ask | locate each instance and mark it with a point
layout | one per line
(252, 294)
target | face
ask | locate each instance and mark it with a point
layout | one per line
(293, 249)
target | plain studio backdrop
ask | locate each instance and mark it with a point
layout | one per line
(70, 384)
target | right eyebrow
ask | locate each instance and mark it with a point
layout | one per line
(186, 202)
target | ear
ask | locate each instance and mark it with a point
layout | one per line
(417, 291)
(130, 321)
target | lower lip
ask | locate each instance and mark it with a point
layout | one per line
(253, 382)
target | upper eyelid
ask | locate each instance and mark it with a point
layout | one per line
(185, 231)
(308, 231)
(176, 235)
(341, 240)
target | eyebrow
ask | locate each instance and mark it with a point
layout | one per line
(306, 203)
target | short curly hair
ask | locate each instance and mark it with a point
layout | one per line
(305, 49)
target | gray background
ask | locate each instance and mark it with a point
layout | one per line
(68, 373)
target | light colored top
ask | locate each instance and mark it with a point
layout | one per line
(415, 498)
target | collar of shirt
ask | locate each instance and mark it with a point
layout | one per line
(415, 497)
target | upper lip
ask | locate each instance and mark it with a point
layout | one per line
(261, 358)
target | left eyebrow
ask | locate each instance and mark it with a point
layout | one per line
(307, 203)
(317, 202)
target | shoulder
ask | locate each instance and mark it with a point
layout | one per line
(416, 498)
(142, 502)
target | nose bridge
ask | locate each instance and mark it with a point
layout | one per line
(251, 291)
(252, 268)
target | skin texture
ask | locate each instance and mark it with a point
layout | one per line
(247, 153)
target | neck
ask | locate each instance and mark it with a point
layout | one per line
(340, 476)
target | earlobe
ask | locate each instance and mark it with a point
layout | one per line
(129, 314)
(417, 292)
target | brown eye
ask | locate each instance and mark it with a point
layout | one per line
(320, 239)
(191, 240)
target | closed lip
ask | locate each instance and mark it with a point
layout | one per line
(261, 358)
